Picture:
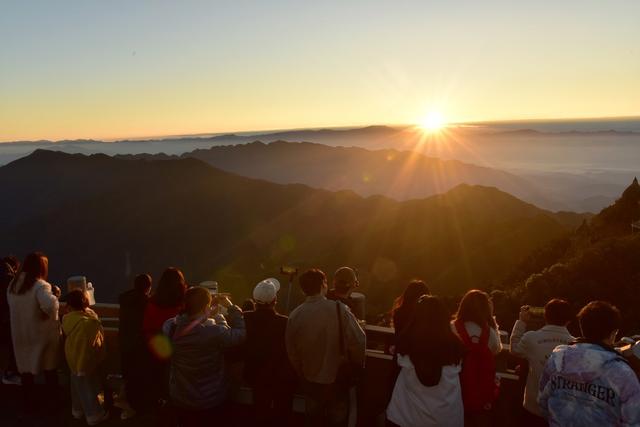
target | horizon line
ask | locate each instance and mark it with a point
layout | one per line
(325, 127)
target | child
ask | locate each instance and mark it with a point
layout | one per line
(84, 351)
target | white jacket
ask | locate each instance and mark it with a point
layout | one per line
(35, 329)
(536, 347)
(415, 405)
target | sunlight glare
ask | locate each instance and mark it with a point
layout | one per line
(433, 122)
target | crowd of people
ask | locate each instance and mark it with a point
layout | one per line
(177, 341)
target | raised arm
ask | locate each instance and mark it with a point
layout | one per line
(519, 341)
(233, 333)
(47, 301)
(495, 345)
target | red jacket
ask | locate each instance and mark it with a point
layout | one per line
(154, 318)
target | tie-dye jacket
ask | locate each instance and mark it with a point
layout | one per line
(585, 384)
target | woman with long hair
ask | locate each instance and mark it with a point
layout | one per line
(166, 303)
(405, 304)
(35, 330)
(477, 328)
(427, 391)
(402, 314)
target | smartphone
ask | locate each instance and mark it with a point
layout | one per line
(536, 311)
(221, 295)
(288, 270)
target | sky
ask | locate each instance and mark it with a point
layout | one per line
(119, 69)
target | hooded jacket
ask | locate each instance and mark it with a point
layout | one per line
(84, 343)
(197, 379)
(586, 384)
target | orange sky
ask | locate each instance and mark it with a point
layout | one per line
(121, 69)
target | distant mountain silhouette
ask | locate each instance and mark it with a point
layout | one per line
(373, 132)
(537, 133)
(574, 166)
(599, 260)
(109, 218)
(401, 175)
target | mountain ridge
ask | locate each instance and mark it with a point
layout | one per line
(399, 174)
(291, 134)
(110, 218)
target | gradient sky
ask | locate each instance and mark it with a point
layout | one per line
(113, 69)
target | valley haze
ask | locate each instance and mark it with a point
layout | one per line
(578, 165)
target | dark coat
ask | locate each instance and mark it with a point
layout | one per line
(131, 338)
(266, 360)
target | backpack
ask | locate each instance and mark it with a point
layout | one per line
(478, 376)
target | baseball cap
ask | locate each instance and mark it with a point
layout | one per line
(266, 291)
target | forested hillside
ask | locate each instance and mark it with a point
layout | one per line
(110, 219)
(600, 260)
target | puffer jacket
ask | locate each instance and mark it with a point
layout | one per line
(197, 377)
(587, 384)
(84, 343)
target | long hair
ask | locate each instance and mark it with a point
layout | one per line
(34, 267)
(405, 304)
(171, 288)
(429, 341)
(476, 307)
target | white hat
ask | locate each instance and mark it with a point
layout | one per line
(266, 291)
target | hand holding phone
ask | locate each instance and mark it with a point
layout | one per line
(288, 270)
(536, 311)
(222, 300)
(525, 315)
(56, 291)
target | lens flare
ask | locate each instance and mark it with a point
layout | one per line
(161, 347)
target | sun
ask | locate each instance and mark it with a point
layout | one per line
(433, 122)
